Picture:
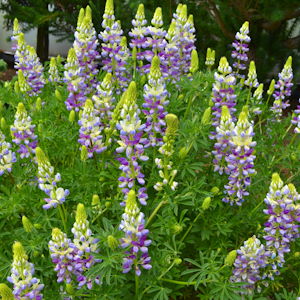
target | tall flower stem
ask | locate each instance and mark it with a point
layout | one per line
(62, 216)
(155, 211)
(190, 227)
(136, 287)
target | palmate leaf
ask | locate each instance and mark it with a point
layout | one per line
(161, 293)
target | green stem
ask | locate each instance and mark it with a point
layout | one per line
(190, 227)
(191, 100)
(136, 287)
(61, 213)
(249, 96)
(165, 272)
(101, 213)
(178, 282)
(286, 132)
(155, 211)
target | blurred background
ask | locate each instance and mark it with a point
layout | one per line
(274, 25)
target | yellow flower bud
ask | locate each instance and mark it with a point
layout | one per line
(58, 94)
(194, 62)
(177, 261)
(84, 153)
(69, 289)
(72, 116)
(28, 227)
(172, 123)
(112, 242)
(215, 190)
(95, 200)
(38, 104)
(3, 124)
(206, 203)
(271, 87)
(230, 258)
(206, 117)
(176, 228)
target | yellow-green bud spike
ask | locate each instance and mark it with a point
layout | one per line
(245, 109)
(223, 65)
(72, 116)
(84, 153)
(21, 108)
(183, 13)
(38, 104)
(155, 67)
(172, 28)
(230, 258)
(243, 118)
(16, 25)
(56, 233)
(27, 225)
(3, 124)
(190, 20)
(288, 63)
(206, 118)
(245, 26)
(80, 17)
(18, 251)
(80, 213)
(292, 188)
(178, 9)
(131, 94)
(225, 114)
(112, 242)
(276, 180)
(109, 7)
(194, 61)
(71, 55)
(88, 13)
(70, 289)
(123, 42)
(172, 122)
(206, 203)
(140, 13)
(40, 155)
(215, 190)
(259, 91)
(6, 292)
(89, 104)
(131, 200)
(208, 53)
(252, 68)
(21, 39)
(58, 94)
(31, 50)
(52, 62)
(213, 55)
(95, 200)
(133, 53)
(108, 78)
(157, 20)
(271, 87)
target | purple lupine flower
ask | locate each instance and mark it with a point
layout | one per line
(62, 253)
(155, 95)
(7, 157)
(283, 89)
(241, 48)
(48, 181)
(247, 266)
(23, 132)
(156, 42)
(223, 92)
(240, 161)
(114, 48)
(138, 35)
(25, 285)
(75, 83)
(54, 76)
(296, 119)
(90, 130)
(86, 247)
(131, 144)
(135, 239)
(281, 228)
(85, 46)
(104, 100)
(222, 146)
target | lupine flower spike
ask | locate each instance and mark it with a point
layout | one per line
(222, 147)
(241, 48)
(135, 239)
(251, 258)
(7, 156)
(223, 92)
(138, 35)
(283, 89)
(165, 165)
(25, 285)
(23, 132)
(281, 228)
(131, 144)
(155, 95)
(296, 119)
(194, 62)
(86, 246)
(90, 132)
(48, 181)
(240, 162)
(75, 83)
(85, 46)
(256, 100)
(210, 58)
(251, 80)
(53, 71)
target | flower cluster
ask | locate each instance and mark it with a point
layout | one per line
(138, 35)
(23, 132)
(85, 46)
(114, 53)
(155, 94)
(283, 89)
(241, 47)
(165, 165)
(281, 228)
(251, 80)
(210, 57)
(7, 157)
(104, 100)
(135, 239)
(90, 130)
(53, 71)
(296, 119)
(131, 143)
(223, 92)
(48, 181)
(247, 266)
(73, 258)
(240, 161)
(76, 85)
(25, 285)
(223, 137)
